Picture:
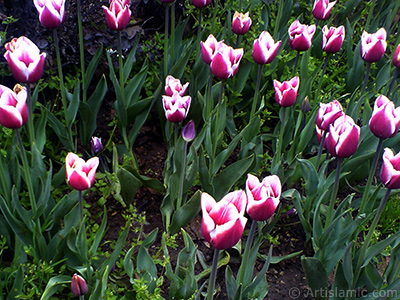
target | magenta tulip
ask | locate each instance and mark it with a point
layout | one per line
(13, 108)
(373, 45)
(225, 62)
(223, 222)
(328, 113)
(25, 60)
(300, 36)
(51, 12)
(176, 107)
(118, 14)
(263, 197)
(80, 174)
(241, 23)
(286, 92)
(173, 85)
(390, 172)
(396, 57)
(201, 3)
(332, 39)
(343, 137)
(385, 119)
(208, 48)
(78, 285)
(322, 9)
(189, 132)
(265, 48)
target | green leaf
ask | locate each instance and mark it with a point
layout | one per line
(16, 289)
(73, 106)
(185, 213)
(130, 61)
(129, 185)
(54, 284)
(316, 275)
(92, 67)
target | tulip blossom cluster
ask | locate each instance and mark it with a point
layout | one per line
(265, 48)
(286, 92)
(51, 12)
(373, 45)
(224, 221)
(80, 174)
(300, 36)
(241, 23)
(176, 104)
(385, 119)
(118, 14)
(223, 59)
(13, 108)
(322, 8)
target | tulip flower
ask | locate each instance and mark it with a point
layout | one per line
(78, 285)
(332, 39)
(343, 137)
(223, 222)
(96, 144)
(13, 108)
(80, 174)
(263, 197)
(300, 36)
(25, 60)
(241, 23)
(320, 134)
(328, 113)
(201, 3)
(390, 172)
(286, 92)
(208, 48)
(51, 12)
(322, 8)
(176, 107)
(173, 85)
(265, 48)
(373, 45)
(385, 119)
(396, 57)
(189, 132)
(118, 14)
(225, 62)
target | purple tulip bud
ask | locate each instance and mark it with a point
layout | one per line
(322, 9)
(78, 285)
(390, 172)
(118, 14)
(189, 132)
(96, 144)
(300, 36)
(385, 119)
(332, 39)
(51, 12)
(343, 137)
(373, 45)
(241, 23)
(286, 92)
(265, 48)
(13, 107)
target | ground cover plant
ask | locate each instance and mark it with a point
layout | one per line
(267, 110)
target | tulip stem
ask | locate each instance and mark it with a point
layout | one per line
(166, 25)
(213, 275)
(209, 101)
(321, 147)
(26, 170)
(277, 155)
(396, 71)
(321, 79)
(81, 50)
(278, 20)
(183, 171)
(80, 204)
(256, 93)
(243, 266)
(360, 102)
(121, 64)
(31, 133)
(334, 192)
(370, 177)
(296, 63)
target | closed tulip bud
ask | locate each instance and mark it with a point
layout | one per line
(263, 197)
(390, 171)
(78, 285)
(80, 174)
(13, 108)
(208, 48)
(223, 221)
(396, 57)
(176, 107)
(173, 85)
(332, 39)
(265, 48)
(225, 62)
(385, 119)
(322, 8)
(343, 137)
(373, 45)
(118, 14)
(201, 3)
(286, 92)
(305, 105)
(189, 132)
(96, 144)
(241, 23)
(300, 36)
(25, 60)
(51, 12)
(328, 113)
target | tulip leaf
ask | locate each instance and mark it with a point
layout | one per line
(145, 265)
(127, 68)
(91, 68)
(133, 89)
(316, 275)
(129, 185)
(184, 214)
(73, 106)
(59, 130)
(54, 284)
(231, 286)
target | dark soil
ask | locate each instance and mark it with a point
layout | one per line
(285, 277)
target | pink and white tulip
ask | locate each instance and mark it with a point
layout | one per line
(13, 107)
(265, 48)
(390, 171)
(176, 107)
(328, 113)
(385, 119)
(51, 12)
(241, 23)
(263, 197)
(332, 39)
(300, 36)
(209, 48)
(223, 221)
(322, 9)
(25, 60)
(225, 62)
(373, 45)
(173, 85)
(80, 174)
(343, 137)
(118, 14)
(286, 92)
(396, 57)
